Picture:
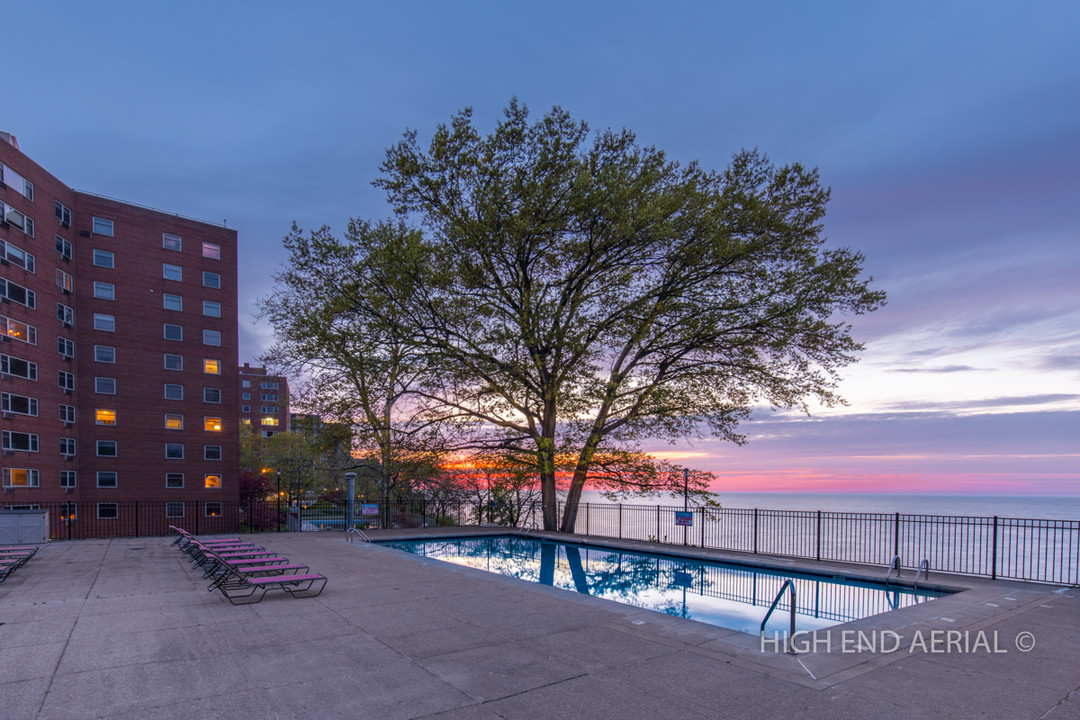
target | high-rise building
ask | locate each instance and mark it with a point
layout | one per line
(119, 353)
(264, 400)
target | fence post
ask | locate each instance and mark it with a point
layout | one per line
(136, 518)
(658, 523)
(587, 518)
(702, 528)
(620, 521)
(755, 531)
(819, 536)
(896, 536)
(993, 561)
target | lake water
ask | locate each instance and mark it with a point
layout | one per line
(1043, 507)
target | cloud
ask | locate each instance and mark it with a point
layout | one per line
(993, 402)
(946, 369)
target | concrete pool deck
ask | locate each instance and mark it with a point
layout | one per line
(125, 628)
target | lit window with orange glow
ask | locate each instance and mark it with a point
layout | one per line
(212, 424)
(213, 481)
(211, 367)
(270, 421)
(174, 422)
(246, 421)
(106, 417)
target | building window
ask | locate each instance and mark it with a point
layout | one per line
(104, 290)
(211, 308)
(211, 395)
(13, 217)
(106, 479)
(174, 509)
(245, 408)
(170, 242)
(67, 414)
(105, 322)
(67, 446)
(268, 397)
(211, 337)
(272, 409)
(174, 392)
(246, 421)
(20, 477)
(18, 404)
(270, 421)
(68, 511)
(65, 314)
(172, 272)
(19, 441)
(104, 354)
(63, 248)
(245, 383)
(211, 452)
(18, 330)
(18, 294)
(245, 396)
(106, 448)
(173, 302)
(66, 380)
(64, 281)
(68, 481)
(211, 280)
(63, 214)
(173, 332)
(213, 509)
(108, 511)
(16, 181)
(212, 251)
(174, 362)
(18, 368)
(211, 367)
(212, 482)
(174, 451)
(17, 256)
(212, 424)
(101, 226)
(105, 385)
(174, 480)
(104, 416)
(174, 422)
(65, 347)
(269, 386)
(104, 258)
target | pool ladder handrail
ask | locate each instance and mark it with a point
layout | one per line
(351, 532)
(925, 564)
(789, 586)
(894, 565)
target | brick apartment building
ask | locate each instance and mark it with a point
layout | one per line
(119, 353)
(264, 400)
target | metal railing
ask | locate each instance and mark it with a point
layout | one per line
(1029, 549)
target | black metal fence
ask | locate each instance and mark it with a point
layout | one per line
(996, 547)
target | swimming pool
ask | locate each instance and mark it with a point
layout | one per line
(730, 596)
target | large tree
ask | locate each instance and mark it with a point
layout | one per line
(579, 291)
(335, 328)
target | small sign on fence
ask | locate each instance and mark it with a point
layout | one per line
(684, 518)
(369, 509)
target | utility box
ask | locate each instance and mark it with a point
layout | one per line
(24, 527)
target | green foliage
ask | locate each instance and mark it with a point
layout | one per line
(580, 295)
(555, 295)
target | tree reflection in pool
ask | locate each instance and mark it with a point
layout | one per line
(730, 596)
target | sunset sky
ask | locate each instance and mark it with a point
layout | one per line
(948, 131)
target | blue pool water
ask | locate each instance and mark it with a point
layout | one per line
(730, 596)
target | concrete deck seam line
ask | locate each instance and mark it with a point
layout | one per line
(1059, 703)
(67, 640)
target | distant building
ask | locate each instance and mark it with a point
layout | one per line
(264, 400)
(117, 366)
